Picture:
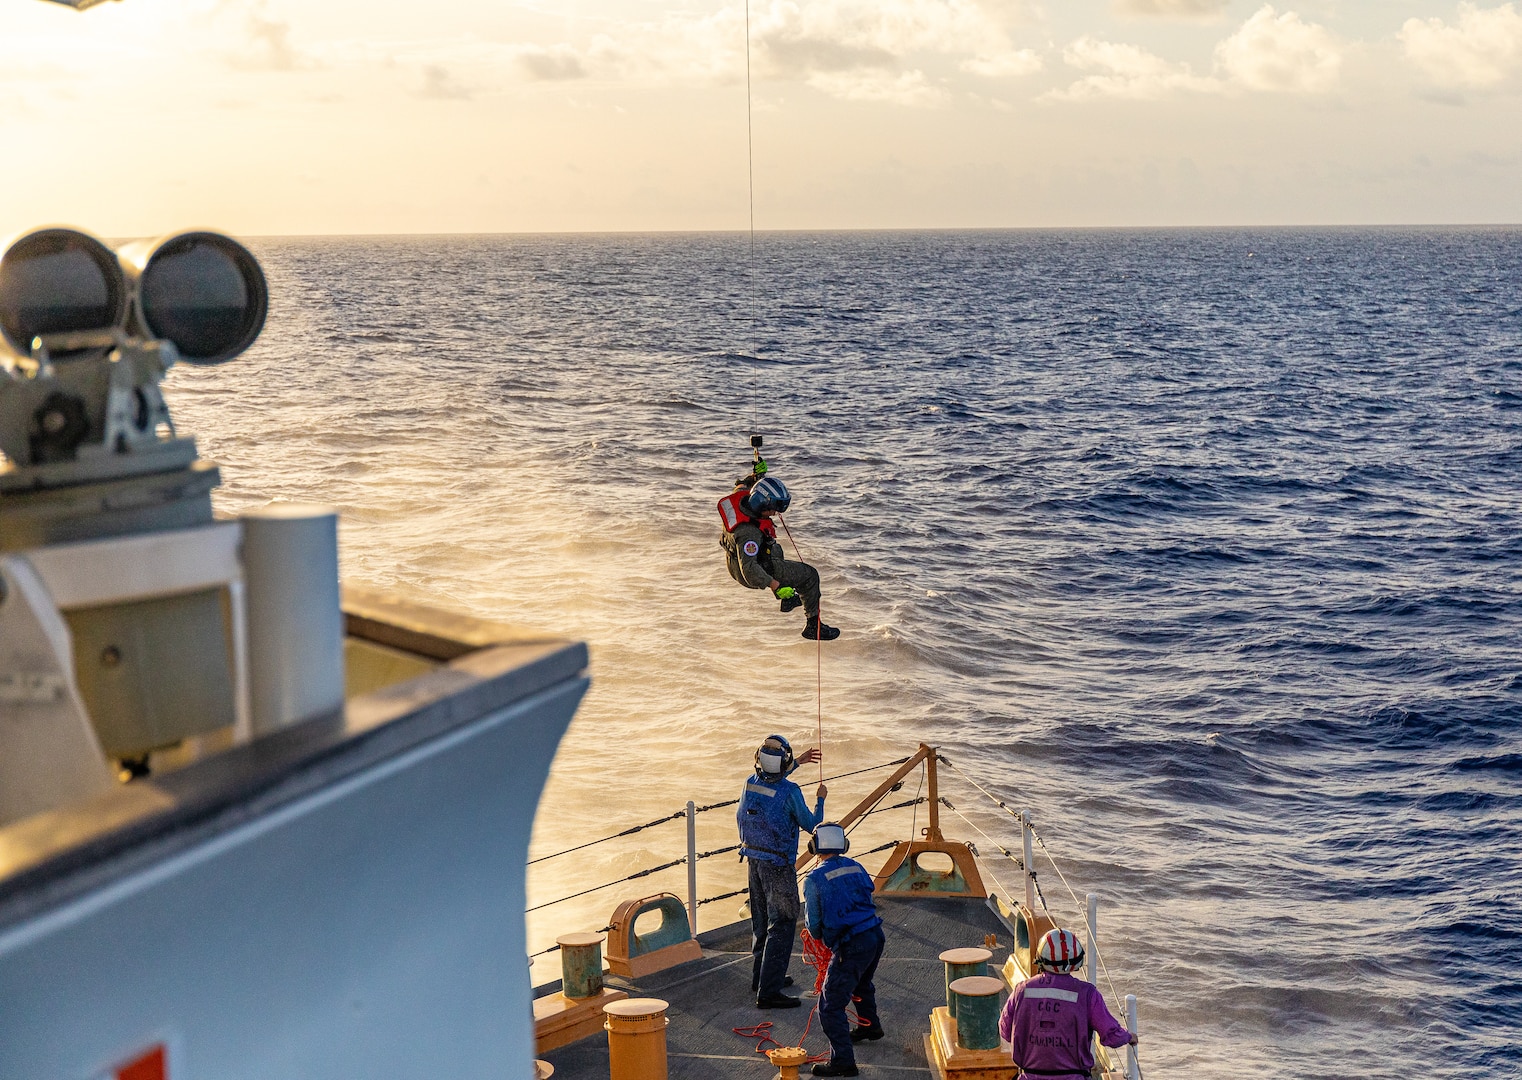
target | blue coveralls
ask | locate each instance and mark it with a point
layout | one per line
(838, 898)
(771, 813)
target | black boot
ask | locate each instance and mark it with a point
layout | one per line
(829, 1068)
(866, 1033)
(815, 630)
(777, 1001)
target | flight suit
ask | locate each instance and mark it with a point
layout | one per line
(755, 560)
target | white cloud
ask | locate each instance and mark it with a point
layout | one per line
(857, 50)
(1173, 9)
(843, 34)
(1483, 50)
(1126, 71)
(1269, 53)
(1280, 53)
(1011, 63)
(907, 88)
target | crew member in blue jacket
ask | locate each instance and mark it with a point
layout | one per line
(772, 810)
(838, 900)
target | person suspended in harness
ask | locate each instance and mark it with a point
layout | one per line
(837, 898)
(754, 556)
(1050, 1020)
(772, 810)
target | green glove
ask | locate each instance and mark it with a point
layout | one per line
(760, 468)
(787, 592)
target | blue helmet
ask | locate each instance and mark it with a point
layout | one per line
(769, 493)
(775, 756)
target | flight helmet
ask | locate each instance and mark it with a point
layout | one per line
(1060, 951)
(774, 757)
(768, 493)
(829, 839)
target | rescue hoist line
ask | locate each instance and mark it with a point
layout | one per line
(750, 277)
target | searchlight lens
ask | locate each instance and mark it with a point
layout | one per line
(58, 281)
(204, 292)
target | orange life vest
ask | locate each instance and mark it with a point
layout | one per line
(733, 514)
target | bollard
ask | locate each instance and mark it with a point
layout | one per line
(543, 1070)
(977, 1011)
(788, 1060)
(580, 965)
(636, 1039)
(961, 963)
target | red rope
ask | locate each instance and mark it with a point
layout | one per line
(818, 956)
(762, 1033)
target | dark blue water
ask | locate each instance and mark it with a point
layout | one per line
(1204, 545)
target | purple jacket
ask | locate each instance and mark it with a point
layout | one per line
(1049, 1019)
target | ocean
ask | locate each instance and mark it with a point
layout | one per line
(1205, 546)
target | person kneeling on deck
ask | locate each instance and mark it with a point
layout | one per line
(838, 901)
(754, 556)
(1050, 1020)
(771, 812)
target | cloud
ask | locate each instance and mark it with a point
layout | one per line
(907, 88)
(1011, 63)
(1482, 51)
(439, 84)
(1173, 9)
(1270, 53)
(1281, 54)
(1125, 71)
(893, 51)
(870, 50)
(551, 64)
(260, 42)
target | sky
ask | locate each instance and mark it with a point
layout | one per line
(286, 117)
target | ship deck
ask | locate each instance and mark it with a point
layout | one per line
(711, 996)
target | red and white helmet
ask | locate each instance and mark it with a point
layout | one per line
(1060, 950)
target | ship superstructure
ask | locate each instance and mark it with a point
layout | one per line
(251, 824)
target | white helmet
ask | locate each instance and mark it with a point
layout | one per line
(774, 757)
(829, 839)
(1060, 951)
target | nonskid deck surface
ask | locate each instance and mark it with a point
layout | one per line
(711, 996)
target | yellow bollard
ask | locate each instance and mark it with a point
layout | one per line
(788, 1059)
(636, 1039)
